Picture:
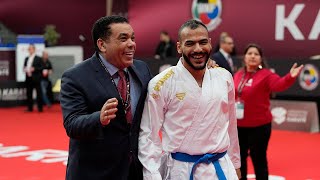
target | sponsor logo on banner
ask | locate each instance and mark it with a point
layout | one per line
(208, 12)
(294, 115)
(309, 77)
(281, 115)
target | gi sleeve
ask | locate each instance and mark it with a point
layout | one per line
(234, 150)
(150, 146)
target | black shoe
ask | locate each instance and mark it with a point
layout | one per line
(28, 110)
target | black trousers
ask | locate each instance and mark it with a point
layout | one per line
(254, 141)
(31, 84)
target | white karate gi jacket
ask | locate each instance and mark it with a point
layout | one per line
(192, 120)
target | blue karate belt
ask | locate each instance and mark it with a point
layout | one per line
(206, 158)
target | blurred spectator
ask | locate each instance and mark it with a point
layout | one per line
(33, 68)
(46, 86)
(216, 49)
(166, 47)
(223, 56)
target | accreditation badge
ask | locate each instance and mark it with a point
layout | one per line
(239, 109)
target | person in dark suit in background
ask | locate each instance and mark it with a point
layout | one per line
(217, 47)
(100, 118)
(223, 56)
(46, 86)
(33, 69)
(166, 47)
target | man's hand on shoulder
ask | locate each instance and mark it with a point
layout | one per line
(212, 63)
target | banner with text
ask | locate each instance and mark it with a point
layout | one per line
(295, 115)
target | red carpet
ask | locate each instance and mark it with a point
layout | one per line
(33, 146)
(36, 131)
(294, 155)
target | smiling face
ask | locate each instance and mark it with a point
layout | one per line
(252, 59)
(119, 48)
(195, 47)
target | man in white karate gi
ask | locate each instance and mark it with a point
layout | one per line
(193, 108)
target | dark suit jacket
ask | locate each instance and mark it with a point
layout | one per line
(37, 64)
(221, 61)
(97, 152)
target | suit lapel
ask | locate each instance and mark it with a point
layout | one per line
(104, 78)
(138, 75)
(225, 61)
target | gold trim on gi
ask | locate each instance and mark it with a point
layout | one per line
(180, 96)
(155, 96)
(162, 80)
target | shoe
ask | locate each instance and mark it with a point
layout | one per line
(27, 110)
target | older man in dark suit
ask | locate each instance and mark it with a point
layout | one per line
(223, 56)
(102, 100)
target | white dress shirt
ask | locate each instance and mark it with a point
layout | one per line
(29, 65)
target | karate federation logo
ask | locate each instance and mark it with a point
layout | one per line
(309, 77)
(208, 12)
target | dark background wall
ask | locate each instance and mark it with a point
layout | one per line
(247, 21)
(71, 17)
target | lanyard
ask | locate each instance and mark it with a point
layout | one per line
(244, 81)
(126, 103)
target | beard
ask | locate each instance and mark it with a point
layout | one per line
(187, 59)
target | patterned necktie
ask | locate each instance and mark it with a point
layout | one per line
(122, 88)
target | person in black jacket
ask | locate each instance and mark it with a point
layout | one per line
(33, 69)
(103, 125)
(45, 81)
(166, 47)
